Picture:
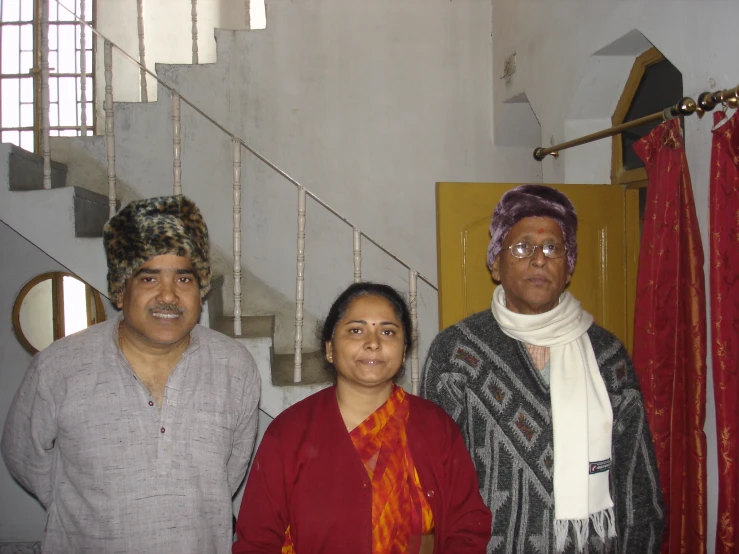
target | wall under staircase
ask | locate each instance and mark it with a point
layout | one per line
(21, 517)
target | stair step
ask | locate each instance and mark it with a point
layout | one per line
(25, 174)
(20, 547)
(26, 171)
(313, 370)
(90, 213)
(252, 327)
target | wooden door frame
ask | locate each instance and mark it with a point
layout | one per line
(634, 179)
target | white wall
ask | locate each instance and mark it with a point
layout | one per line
(21, 517)
(366, 104)
(553, 42)
(167, 38)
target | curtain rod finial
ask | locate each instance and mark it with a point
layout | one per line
(687, 106)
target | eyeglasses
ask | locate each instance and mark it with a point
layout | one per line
(526, 250)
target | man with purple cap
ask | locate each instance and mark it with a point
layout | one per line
(548, 401)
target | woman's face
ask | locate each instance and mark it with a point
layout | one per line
(368, 346)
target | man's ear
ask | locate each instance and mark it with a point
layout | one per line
(495, 269)
(569, 278)
(119, 302)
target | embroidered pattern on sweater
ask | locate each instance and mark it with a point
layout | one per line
(525, 428)
(496, 393)
(546, 462)
(468, 358)
(504, 412)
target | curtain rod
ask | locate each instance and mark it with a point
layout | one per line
(707, 101)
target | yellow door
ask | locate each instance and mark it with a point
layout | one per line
(601, 278)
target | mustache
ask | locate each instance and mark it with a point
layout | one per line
(167, 308)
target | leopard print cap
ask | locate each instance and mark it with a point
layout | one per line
(153, 227)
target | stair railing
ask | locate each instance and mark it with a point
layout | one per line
(238, 144)
(44, 62)
(194, 30)
(109, 127)
(176, 145)
(83, 71)
(142, 48)
(237, 234)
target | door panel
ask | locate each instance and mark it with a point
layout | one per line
(463, 213)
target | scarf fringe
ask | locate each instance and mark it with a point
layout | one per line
(604, 523)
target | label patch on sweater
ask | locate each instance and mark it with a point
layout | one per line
(600, 467)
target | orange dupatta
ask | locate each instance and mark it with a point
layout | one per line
(400, 510)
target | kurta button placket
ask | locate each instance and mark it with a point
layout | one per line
(429, 494)
(170, 417)
(151, 402)
(165, 446)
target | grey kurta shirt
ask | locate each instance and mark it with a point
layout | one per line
(116, 474)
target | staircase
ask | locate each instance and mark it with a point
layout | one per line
(229, 95)
(143, 147)
(67, 221)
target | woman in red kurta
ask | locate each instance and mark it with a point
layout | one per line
(363, 467)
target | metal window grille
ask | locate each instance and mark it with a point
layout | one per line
(20, 77)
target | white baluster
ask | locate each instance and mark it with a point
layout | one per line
(83, 71)
(299, 288)
(357, 255)
(109, 126)
(45, 142)
(142, 50)
(176, 144)
(237, 235)
(413, 305)
(194, 14)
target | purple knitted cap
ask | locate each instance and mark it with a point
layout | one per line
(533, 201)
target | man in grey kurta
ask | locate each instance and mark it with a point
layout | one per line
(135, 433)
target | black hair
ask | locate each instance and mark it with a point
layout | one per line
(341, 304)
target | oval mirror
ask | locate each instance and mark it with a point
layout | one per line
(54, 305)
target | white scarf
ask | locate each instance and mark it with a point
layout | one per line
(582, 417)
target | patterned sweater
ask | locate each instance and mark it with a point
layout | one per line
(487, 382)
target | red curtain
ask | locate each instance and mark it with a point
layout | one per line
(725, 322)
(670, 336)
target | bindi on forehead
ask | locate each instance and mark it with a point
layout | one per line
(540, 231)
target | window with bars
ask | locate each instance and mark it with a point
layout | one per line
(20, 76)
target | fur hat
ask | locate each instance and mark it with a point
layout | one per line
(153, 227)
(533, 201)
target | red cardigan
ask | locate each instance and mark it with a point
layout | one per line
(307, 474)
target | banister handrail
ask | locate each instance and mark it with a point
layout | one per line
(254, 152)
